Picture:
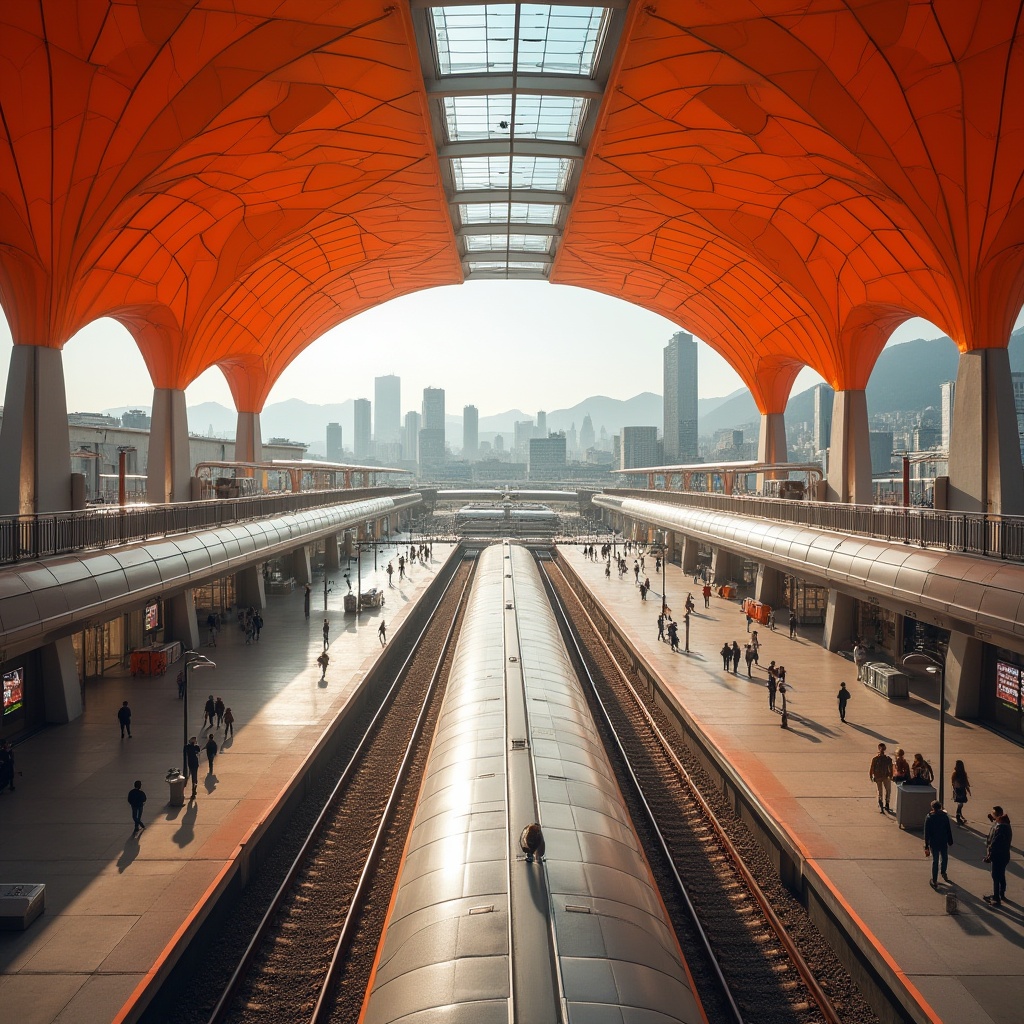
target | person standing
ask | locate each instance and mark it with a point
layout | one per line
(327, 634)
(771, 620)
(209, 711)
(860, 655)
(390, 571)
(843, 697)
(880, 773)
(137, 798)
(229, 723)
(192, 749)
(257, 625)
(736, 655)
(382, 633)
(938, 838)
(997, 853)
(673, 636)
(219, 708)
(124, 716)
(748, 657)
(706, 591)
(305, 599)
(773, 687)
(211, 752)
(181, 685)
(749, 621)
(793, 623)
(961, 787)
(726, 653)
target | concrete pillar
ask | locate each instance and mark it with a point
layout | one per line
(984, 447)
(62, 690)
(302, 572)
(725, 566)
(769, 585)
(35, 448)
(849, 457)
(689, 560)
(838, 622)
(332, 563)
(250, 589)
(181, 620)
(348, 544)
(169, 466)
(248, 439)
(771, 442)
(963, 675)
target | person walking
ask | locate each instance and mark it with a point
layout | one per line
(229, 723)
(749, 621)
(997, 853)
(192, 749)
(793, 623)
(211, 752)
(773, 687)
(124, 716)
(938, 838)
(771, 620)
(748, 657)
(783, 690)
(181, 685)
(961, 787)
(843, 696)
(726, 653)
(257, 625)
(327, 634)
(137, 798)
(736, 655)
(673, 636)
(218, 706)
(661, 626)
(390, 571)
(755, 646)
(706, 591)
(860, 656)
(323, 661)
(382, 633)
(880, 773)
(306, 590)
(209, 711)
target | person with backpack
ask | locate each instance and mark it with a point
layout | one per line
(137, 799)
(921, 773)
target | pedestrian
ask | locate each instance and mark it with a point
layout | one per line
(211, 627)
(323, 661)
(842, 696)
(860, 655)
(673, 636)
(608, 569)
(6, 765)
(880, 773)
(219, 708)
(209, 711)
(229, 723)
(181, 685)
(390, 570)
(401, 568)
(306, 590)
(736, 655)
(749, 621)
(661, 627)
(773, 687)
(793, 623)
(689, 605)
(755, 645)
(938, 838)
(382, 633)
(726, 653)
(921, 773)
(257, 623)
(636, 573)
(327, 634)
(643, 592)
(748, 657)
(124, 716)
(901, 767)
(961, 787)
(192, 749)
(783, 690)
(771, 619)
(706, 591)
(211, 752)
(136, 797)
(997, 853)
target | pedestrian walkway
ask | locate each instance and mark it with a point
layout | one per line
(812, 779)
(113, 903)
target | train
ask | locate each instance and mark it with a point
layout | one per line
(524, 893)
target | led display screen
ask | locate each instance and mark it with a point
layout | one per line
(14, 690)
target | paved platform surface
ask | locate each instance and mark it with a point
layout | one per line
(113, 902)
(813, 781)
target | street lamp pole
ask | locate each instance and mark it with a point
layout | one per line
(936, 665)
(664, 588)
(193, 659)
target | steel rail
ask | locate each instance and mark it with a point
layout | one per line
(807, 975)
(266, 923)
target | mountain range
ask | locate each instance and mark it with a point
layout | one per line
(906, 378)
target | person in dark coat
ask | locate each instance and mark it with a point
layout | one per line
(211, 752)
(938, 838)
(726, 653)
(209, 711)
(748, 657)
(842, 697)
(192, 749)
(137, 798)
(736, 655)
(229, 723)
(773, 687)
(124, 716)
(673, 635)
(218, 707)
(997, 853)
(661, 627)
(327, 634)
(305, 600)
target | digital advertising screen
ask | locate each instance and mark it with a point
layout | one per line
(1008, 684)
(152, 619)
(14, 690)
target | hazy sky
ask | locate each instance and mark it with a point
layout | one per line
(496, 345)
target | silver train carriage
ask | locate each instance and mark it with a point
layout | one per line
(479, 934)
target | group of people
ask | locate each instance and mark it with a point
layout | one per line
(215, 708)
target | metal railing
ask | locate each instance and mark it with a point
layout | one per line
(972, 533)
(29, 537)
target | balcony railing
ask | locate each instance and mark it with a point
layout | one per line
(29, 537)
(972, 533)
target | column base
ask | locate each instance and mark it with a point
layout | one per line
(62, 689)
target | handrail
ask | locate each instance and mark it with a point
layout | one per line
(44, 535)
(971, 533)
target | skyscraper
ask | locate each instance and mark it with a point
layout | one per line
(470, 433)
(361, 428)
(547, 457)
(334, 448)
(411, 441)
(432, 432)
(639, 447)
(542, 424)
(681, 399)
(947, 393)
(387, 409)
(587, 433)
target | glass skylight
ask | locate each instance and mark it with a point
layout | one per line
(498, 213)
(514, 243)
(470, 118)
(528, 172)
(476, 266)
(554, 40)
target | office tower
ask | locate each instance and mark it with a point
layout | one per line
(547, 457)
(521, 439)
(432, 452)
(411, 441)
(433, 409)
(681, 399)
(499, 442)
(587, 434)
(470, 433)
(1018, 402)
(334, 448)
(823, 397)
(947, 392)
(880, 442)
(542, 424)
(361, 428)
(570, 439)
(387, 409)
(639, 447)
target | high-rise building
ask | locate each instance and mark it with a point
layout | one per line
(681, 399)
(521, 440)
(639, 447)
(947, 392)
(433, 409)
(361, 428)
(470, 433)
(387, 409)
(499, 442)
(587, 434)
(542, 425)
(432, 442)
(411, 441)
(1018, 402)
(823, 398)
(547, 457)
(881, 452)
(334, 448)
(570, 440)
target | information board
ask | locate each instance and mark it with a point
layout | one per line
(1008, 684)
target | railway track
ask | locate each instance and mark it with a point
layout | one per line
(754, 954)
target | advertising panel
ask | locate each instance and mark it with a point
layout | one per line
(152, 619)
(14, 690)
(1008, 684)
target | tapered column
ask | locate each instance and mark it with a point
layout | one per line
(332, 562)
(984, 447)
(849, 457)
(771, 443)
(248, 438)
(302, 572)
(690, 550)
(768, 588)
(250, 588)
(169, 467)
(62, 690)
(838, 622)
(35, 448)
(725, 566)
(963, 675)
(181, 620)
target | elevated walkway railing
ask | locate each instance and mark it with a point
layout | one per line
(30, 537)
(972, 533)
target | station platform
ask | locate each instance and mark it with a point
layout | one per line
(812, 780)
(114, 903)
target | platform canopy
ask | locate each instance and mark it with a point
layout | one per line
(789, 179)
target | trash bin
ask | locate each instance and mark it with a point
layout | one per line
(913, 804)
(176, 782)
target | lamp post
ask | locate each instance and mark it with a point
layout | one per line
(936, 665)
(193, 660)
(664, 578)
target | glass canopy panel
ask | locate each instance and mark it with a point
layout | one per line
(500, 268)
(514, 243)
(528, 172)
(498, 213)
(471, 118)
(554, 40)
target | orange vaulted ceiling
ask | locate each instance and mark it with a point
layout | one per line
(228, 179)
(793, 178)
